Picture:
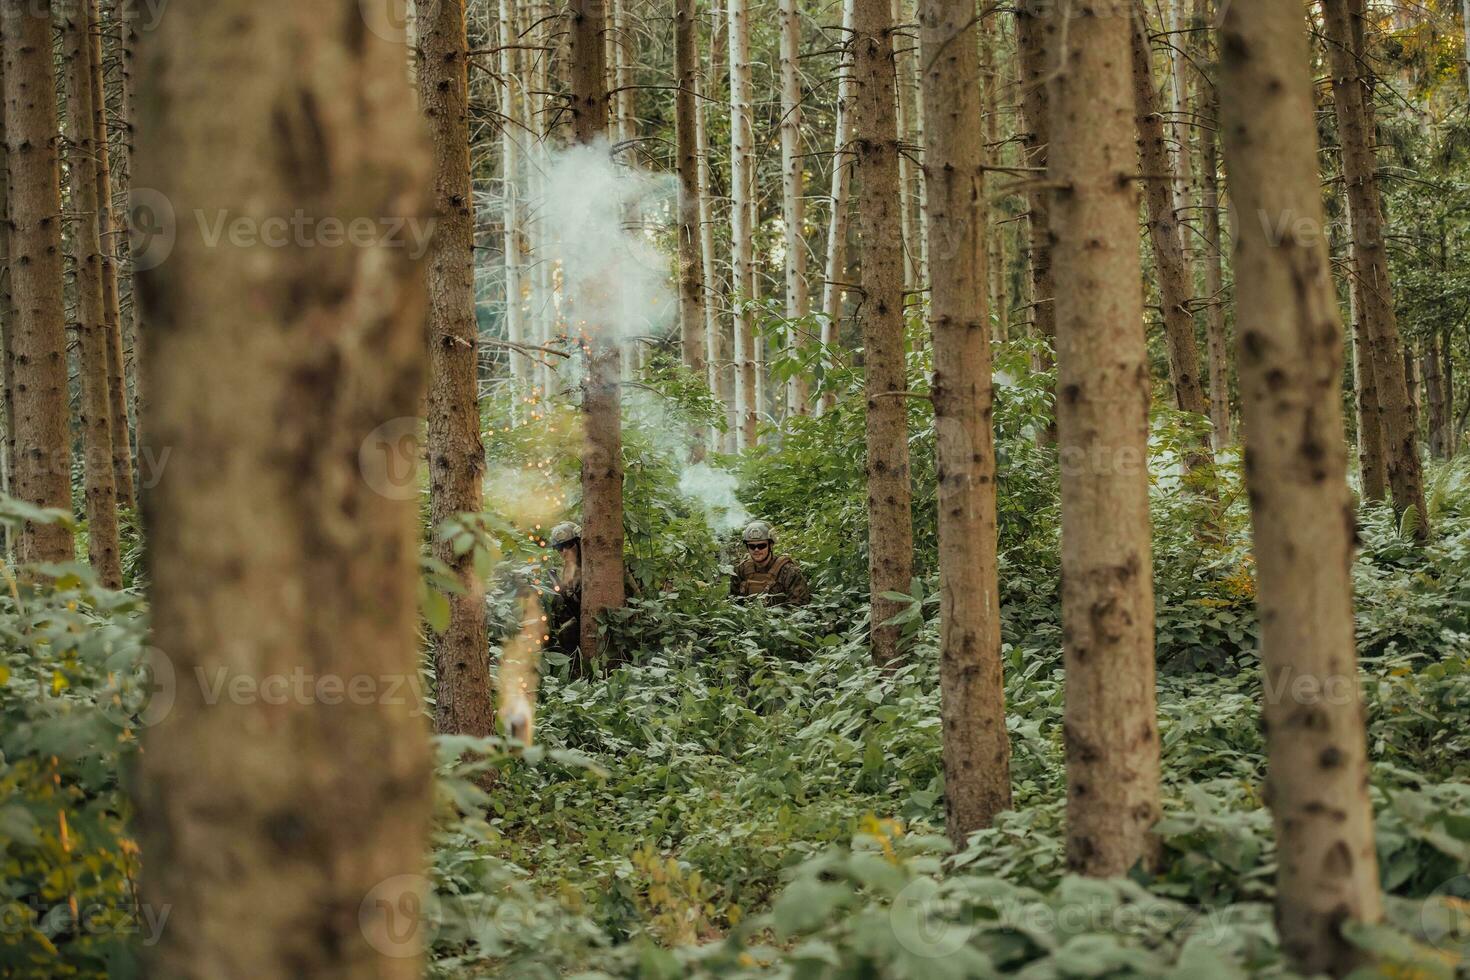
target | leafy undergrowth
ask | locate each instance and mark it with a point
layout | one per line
(747, 796)
(750, 797)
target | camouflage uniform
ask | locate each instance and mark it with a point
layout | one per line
(563, 602)
(779, 579)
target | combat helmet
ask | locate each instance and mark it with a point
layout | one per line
(757, 531)
(565, 533)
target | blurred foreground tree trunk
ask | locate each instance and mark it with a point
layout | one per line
(1112, 740)
(977, 782)
(283, 788)
(1290, 363)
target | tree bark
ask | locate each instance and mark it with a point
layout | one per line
(1159, 177)
(91, 325)
(875, 141)
(511, 130)
(995, 282)
(793, 190)
(286, 823)
(1036, 37)
(717, 357)
(1434, 392)
(1111, 727)
(1290, 364)
(972, 693)
(42, 461)
(842, 167)
(742, 258)
(117, 385)
(602, 455)
(1447, 373)
(1219, 354)
(908, 172)
(463, 704)
(1370, 259)
(1372, 462)
(692, 323)
(127, 16)
(7, 319)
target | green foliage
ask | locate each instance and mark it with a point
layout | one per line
(70, 691)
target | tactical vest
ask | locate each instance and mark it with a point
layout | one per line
(753, 581)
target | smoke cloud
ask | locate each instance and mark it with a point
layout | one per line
(598, 212)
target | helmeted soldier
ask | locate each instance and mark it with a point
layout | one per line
(762, 573)
(564, 600)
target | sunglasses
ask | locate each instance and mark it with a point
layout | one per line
(762, 546)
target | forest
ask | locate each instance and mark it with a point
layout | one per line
(809, 489)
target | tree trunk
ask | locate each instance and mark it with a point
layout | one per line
(620, 40)
(1372, 464)
(972, 694)
(1447, 373)
(999, 305)
(1370, 260)
(1290, 364)
(1159, 178)
(1434, 391)
(842, 167)
(716, 354)
(742, 258)
(127, 18)
(692, 323)
(7, 327)
(286, 821)
(42, 462)
(541, 109)
(1412, 379)
(117, 385)
(602, 402)
(1111, 728)
(1214, 280)
(511, 130)
(1036, 37)
(908, 171)
(793, 189)
(91, 325)
(875, 139)
(456, 455)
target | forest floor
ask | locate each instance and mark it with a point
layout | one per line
(749, 796)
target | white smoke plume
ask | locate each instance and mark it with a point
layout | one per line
(606, 256)
(714, 490)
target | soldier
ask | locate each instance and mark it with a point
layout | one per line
(563, 599)
(762, 573)
(564, 602)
